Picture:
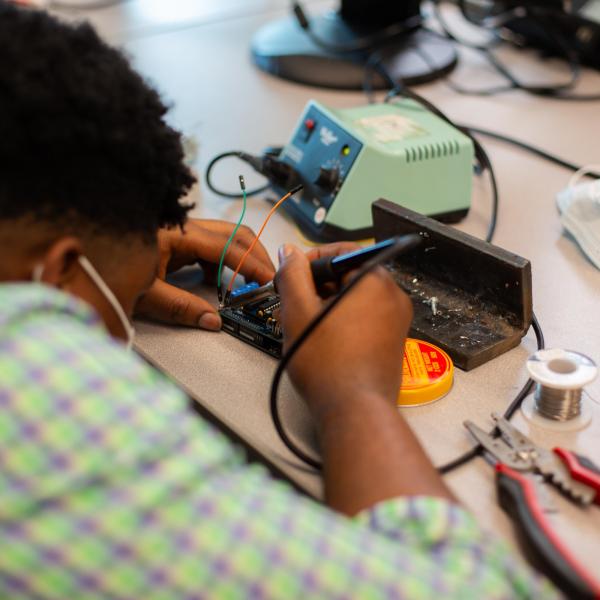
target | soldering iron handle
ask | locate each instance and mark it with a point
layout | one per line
(518, 498)
(332, 269)
(322, 271)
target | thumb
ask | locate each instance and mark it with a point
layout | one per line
(170, 304)
(299, 298)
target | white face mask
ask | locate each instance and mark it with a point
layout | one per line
(87, 266)
(579, 205)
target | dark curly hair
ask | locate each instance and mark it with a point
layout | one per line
(83, 140)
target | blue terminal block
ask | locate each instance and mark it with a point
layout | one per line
(244, 289)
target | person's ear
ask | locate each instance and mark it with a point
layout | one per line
(60, 267)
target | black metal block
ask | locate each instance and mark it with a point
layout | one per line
(471, 298)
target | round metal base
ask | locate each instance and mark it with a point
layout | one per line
(284, 49)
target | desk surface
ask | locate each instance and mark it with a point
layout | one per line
(197, 53)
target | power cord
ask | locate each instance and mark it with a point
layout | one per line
(539, 152)
(256, 162)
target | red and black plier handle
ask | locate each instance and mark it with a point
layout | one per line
(581, 469)
(518, 498)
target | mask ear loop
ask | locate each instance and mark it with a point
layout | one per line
(109, 295)
(578, 175)
(37, 273)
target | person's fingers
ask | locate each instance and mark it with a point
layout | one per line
(252, 269)
(173, 305)
(299, 299)
(208, 246)
(223, 229)
(331, 250)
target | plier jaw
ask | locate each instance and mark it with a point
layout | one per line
(512, 448)
(575, 476)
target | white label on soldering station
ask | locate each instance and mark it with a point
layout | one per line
(390, 128)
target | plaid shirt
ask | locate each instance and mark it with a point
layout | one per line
(110, 487)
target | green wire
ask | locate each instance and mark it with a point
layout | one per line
(219, 286)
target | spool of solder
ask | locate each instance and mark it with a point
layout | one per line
(427, 374)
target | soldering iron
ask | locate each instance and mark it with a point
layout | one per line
(331, 269)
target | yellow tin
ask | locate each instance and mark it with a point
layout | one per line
(427, 374)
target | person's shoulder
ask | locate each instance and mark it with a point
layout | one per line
(21, 302)
(47, 331)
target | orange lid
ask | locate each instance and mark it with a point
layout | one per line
(427, 373)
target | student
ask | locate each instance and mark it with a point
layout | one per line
(109, 486)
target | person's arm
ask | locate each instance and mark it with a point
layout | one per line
(349, 373)
(201, 242)
(129, 494)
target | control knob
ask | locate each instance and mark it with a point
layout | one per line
(328, 178)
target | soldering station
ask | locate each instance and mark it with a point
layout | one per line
(400, 171)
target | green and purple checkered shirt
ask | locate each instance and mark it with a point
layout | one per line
(110, 487)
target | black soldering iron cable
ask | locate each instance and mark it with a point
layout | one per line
(287, 357)
(401, 246)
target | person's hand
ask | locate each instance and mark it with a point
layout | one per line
(202, 241)
(349, 371)
(359, 345)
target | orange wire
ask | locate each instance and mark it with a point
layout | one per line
(254, 242)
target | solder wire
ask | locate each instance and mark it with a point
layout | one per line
(257, 237)
(231, 237)
(558, 405)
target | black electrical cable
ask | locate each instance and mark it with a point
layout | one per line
(234, 195)
(365, 43)
(527, 147)
(541, 16)
(404, 244)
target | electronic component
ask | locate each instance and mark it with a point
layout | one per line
(251, 313)
(348, 158)
(253, 317)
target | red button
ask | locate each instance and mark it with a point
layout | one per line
(309, 124)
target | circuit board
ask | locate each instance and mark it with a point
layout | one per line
(254, 319)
